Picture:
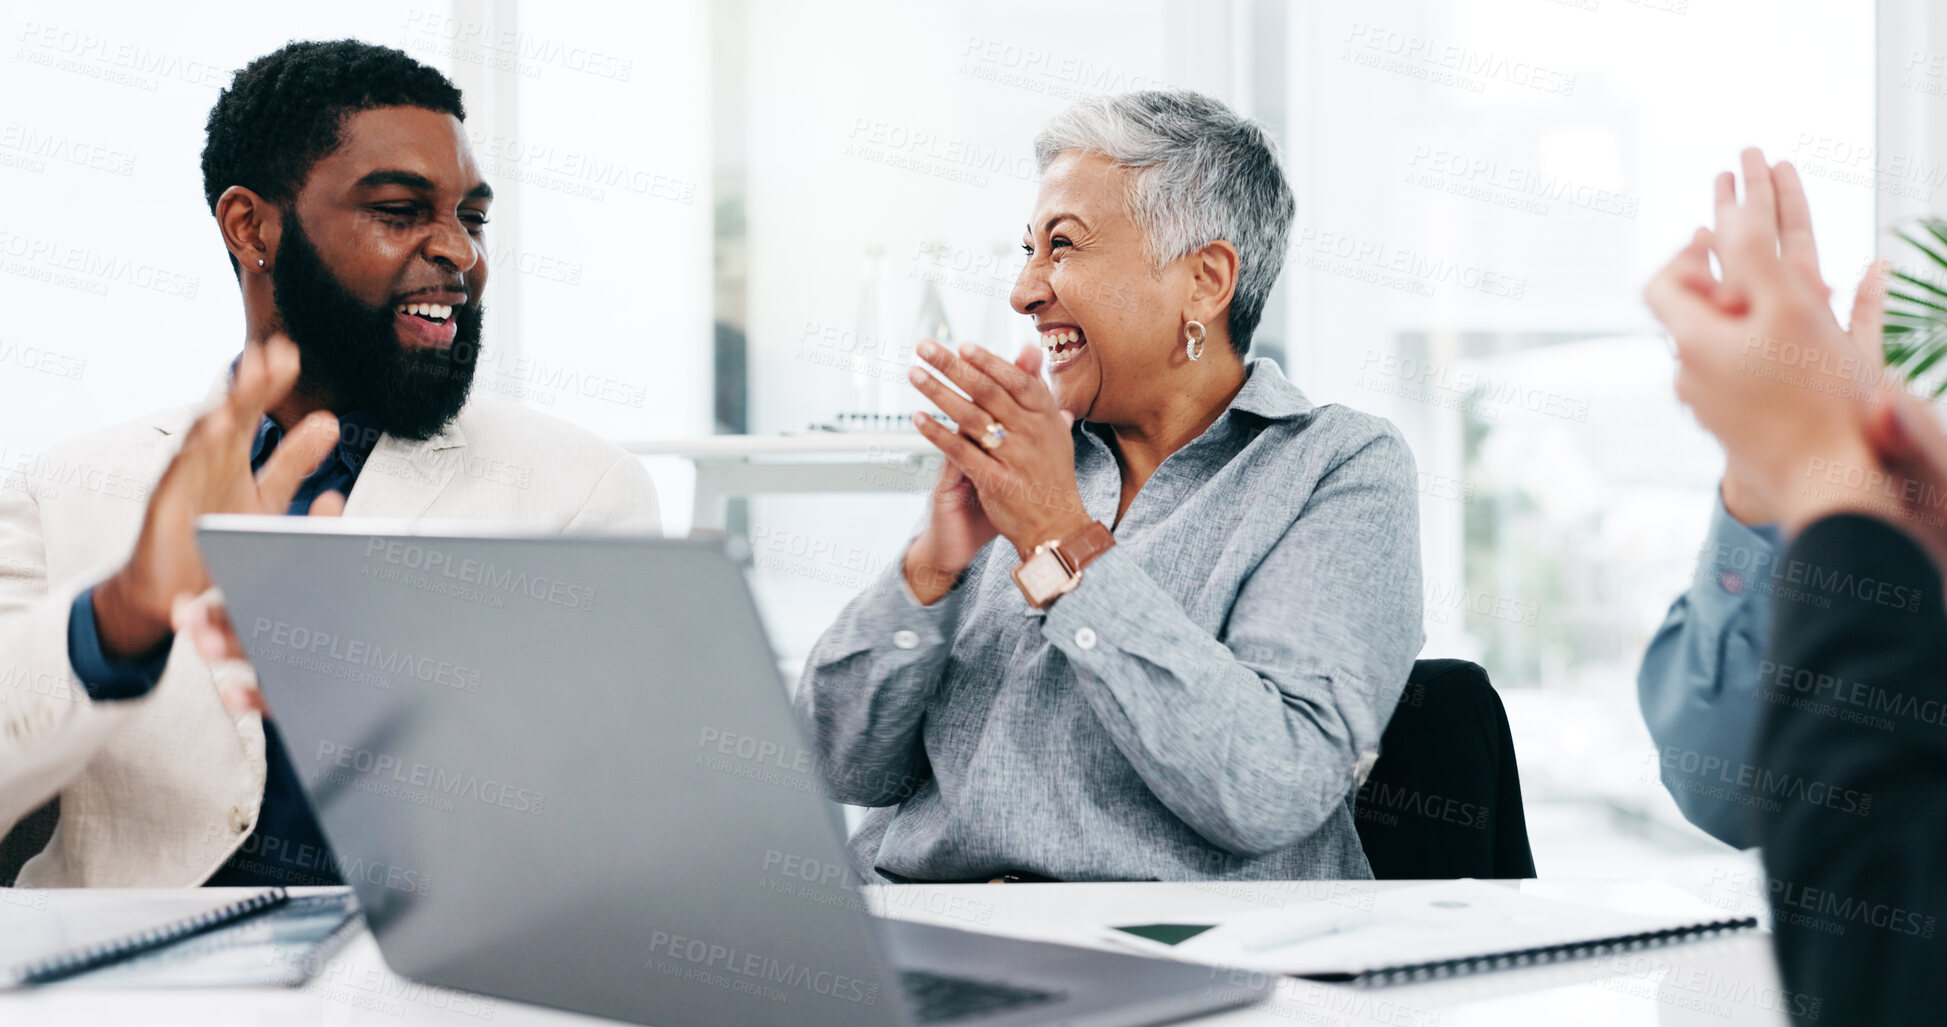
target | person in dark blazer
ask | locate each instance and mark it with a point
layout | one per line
(1854, 766)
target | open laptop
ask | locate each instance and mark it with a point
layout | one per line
(563, 770)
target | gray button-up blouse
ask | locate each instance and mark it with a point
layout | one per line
(1201, 706)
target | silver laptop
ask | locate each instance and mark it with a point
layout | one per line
(563, 770)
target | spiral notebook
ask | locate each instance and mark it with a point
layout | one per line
(169, 938)
(1419, 932)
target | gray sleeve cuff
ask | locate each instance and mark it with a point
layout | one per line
(1112, 611)
(887, 617)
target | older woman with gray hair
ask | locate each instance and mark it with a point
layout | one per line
(1162, 606)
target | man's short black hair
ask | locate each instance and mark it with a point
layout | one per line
(285, 111)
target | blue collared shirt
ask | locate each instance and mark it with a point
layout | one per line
(1699, 684)
(287, 847)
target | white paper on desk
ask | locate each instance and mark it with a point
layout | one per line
(1420, 924)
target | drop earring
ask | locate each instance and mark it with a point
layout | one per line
(1193, 339)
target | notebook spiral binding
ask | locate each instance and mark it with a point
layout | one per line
(84, 959)
(309, 963)
(1415, 973)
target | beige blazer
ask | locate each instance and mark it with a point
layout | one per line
(158, 791)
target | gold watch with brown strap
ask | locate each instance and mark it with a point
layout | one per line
(1055, 567)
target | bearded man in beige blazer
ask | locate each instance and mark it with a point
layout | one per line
(344, 189)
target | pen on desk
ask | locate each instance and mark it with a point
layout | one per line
(1307, 932)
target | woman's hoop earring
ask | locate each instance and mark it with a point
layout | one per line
(1193, 339)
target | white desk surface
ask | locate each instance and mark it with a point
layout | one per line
(1723, 981)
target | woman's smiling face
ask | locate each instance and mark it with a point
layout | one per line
(1109, 322)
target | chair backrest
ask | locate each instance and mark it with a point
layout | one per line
(1444, 798)
(27, 839)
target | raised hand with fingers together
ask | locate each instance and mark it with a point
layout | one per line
(211, 474)
(1762, 361)
(1010, 468)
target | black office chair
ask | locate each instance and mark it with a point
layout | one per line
(1444, 799)
(27, 839)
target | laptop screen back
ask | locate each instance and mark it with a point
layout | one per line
(561, 770)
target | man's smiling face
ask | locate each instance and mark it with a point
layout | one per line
(380, 267)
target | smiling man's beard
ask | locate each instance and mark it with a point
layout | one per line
(351, 353)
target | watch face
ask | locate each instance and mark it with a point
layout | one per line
(1042, 574)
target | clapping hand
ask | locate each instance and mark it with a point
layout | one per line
(1762, 361)
(164, 584)
(1010, 468)
(1912, 446)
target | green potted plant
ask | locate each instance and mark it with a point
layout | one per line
(1916, 309)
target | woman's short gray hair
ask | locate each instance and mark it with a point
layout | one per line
(1202, 172)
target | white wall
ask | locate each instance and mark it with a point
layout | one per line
(896, 125)
(612, 270)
